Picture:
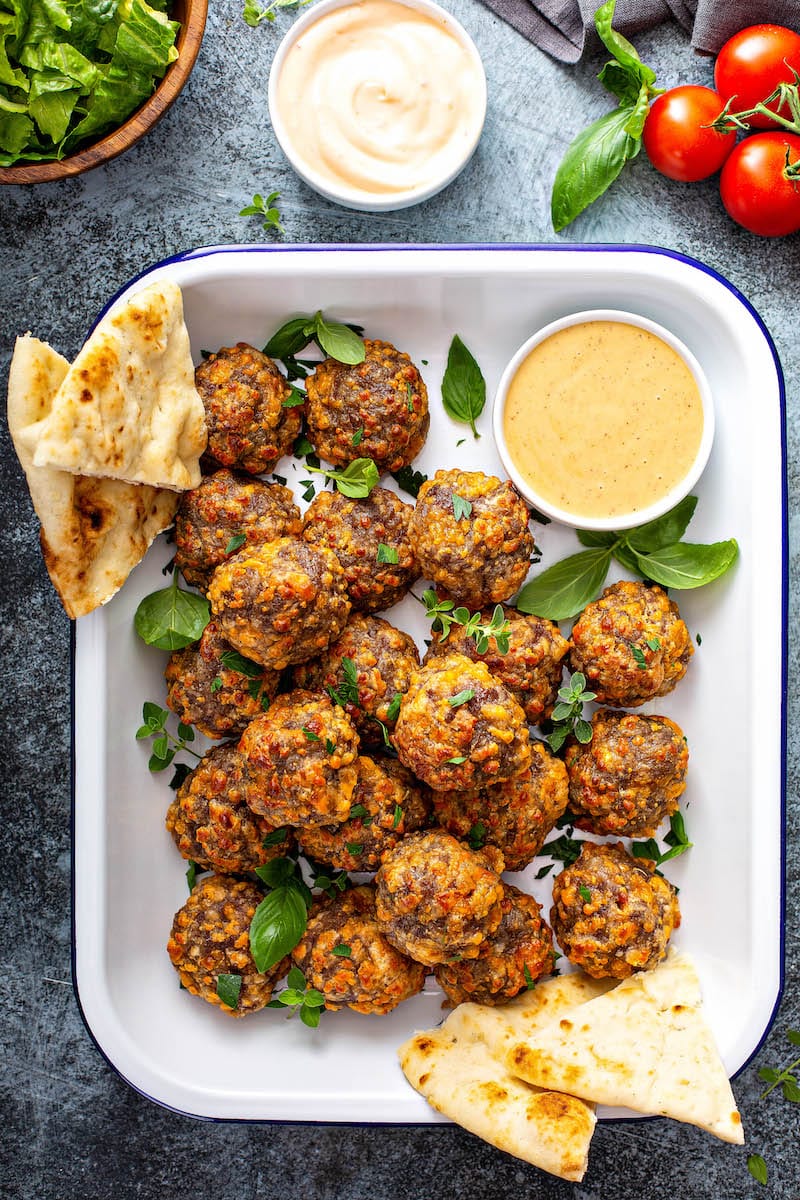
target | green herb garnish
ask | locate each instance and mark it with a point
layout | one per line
(333, 338)
(676, 839)
(584, 894)
(387, 554)
(347, 692)
(280, 920)
(259, 207)
(254, 15)
(567, 716)
(463, 386)
(461, 698)
(300, 997)
(564, 849)
(342, 951)
(165, 745)
(461, 507)
(356, 480)
(445, 614)
(476, 838)
(228, 989)
(409, 480)
(172, 618)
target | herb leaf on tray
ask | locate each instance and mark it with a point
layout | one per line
(334, 339)
(280, 920)
(463, 386)
(172, 618)
(356, 480)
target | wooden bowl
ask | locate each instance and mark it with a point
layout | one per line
(192, 16)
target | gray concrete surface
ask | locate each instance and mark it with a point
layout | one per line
(69, 1128)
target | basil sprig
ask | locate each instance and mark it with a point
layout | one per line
(597, 155)
(338, 341)
(356, 480)
(280, 920)
(172, 618)
(463, 386)
(653, 551)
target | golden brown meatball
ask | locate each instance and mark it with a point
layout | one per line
(612, 914)
(631, 644)
(388, 803)
(628, 778)
(459, 727)
(515, 816)
(244, 394)
(363, 534)
(211, 822)
(301, 761)
(211, 937)
(436, 899)
(210, 686)
(281, 603)
(376, 409)
(366, 670)
(470, 535)
(532, 666)
(225, 507)
(346, 957)
(509, 960)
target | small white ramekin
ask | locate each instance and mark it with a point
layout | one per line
(357, 198)
(625, 520)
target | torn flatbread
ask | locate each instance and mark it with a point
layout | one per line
(459, 1069)
(127, 408)
(93, 531)
(644, 1045)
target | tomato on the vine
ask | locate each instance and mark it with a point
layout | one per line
(676, 136)
(758, 187)
(752, 63)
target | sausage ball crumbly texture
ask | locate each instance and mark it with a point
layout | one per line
(281, 603)
(510, 960)
(228, 505)
(243, 393)
(479, 554)
(628, 778)
(612, 914)
(211, 822)
(216, 698)
(355, 530)
(532, 666)
(301, 761)
(371, 683)
(374, 977)
(631, 644)
(211, 937)
(515, 816)
(437, 900)
(459, 727)
(376, 409)
(388, 803)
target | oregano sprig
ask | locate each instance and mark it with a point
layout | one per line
(445, 614)
(300, 997)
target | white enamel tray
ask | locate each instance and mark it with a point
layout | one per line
(128, 877)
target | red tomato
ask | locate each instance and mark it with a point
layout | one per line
(752, 63)
(676, 140)
(755, 188)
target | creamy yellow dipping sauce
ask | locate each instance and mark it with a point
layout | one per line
(603, 419)
(380, 98)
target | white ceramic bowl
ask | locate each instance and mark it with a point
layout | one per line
(359, 198)
(625, 520)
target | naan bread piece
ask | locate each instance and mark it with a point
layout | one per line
(94, 531)
(644, 1045)
(128, 408)
(459, 1069)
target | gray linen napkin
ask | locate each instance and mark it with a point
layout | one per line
(565, 28)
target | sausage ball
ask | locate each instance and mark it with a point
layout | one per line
(532, 666)
(210, 686)
(437, 900)
(244, 394)
(388, 803)
(612, 914)
(628, 778)
(211, 937)
(368, 974)
(227, 506)
(515, 816)
(211, 822)
(631, 644)
(301, 761)
(470, 535)
(459, 727)
(367, 670)
(280, 603)
(376, 409)
(509, 960)
(363, 534)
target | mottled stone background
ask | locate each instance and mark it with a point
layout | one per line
(70, 1129)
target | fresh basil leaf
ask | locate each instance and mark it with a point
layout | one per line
(277, 926)
(687, 565)
(663, 531)
(291, 338)
(564, 849)
(235, 661)
(338, 341)
(618, 45)
(757, 1168)
(565, 588)
(342, 951)
(357, 479)
(409, 480)
(592, 537)
(172, 618)
(627, 558)
(591, 164)
(463, 386)
(387, 554)
(228, 989)
(623, 82)
(275, 838)
(637, 118)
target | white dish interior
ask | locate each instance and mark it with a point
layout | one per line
(128, 877)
